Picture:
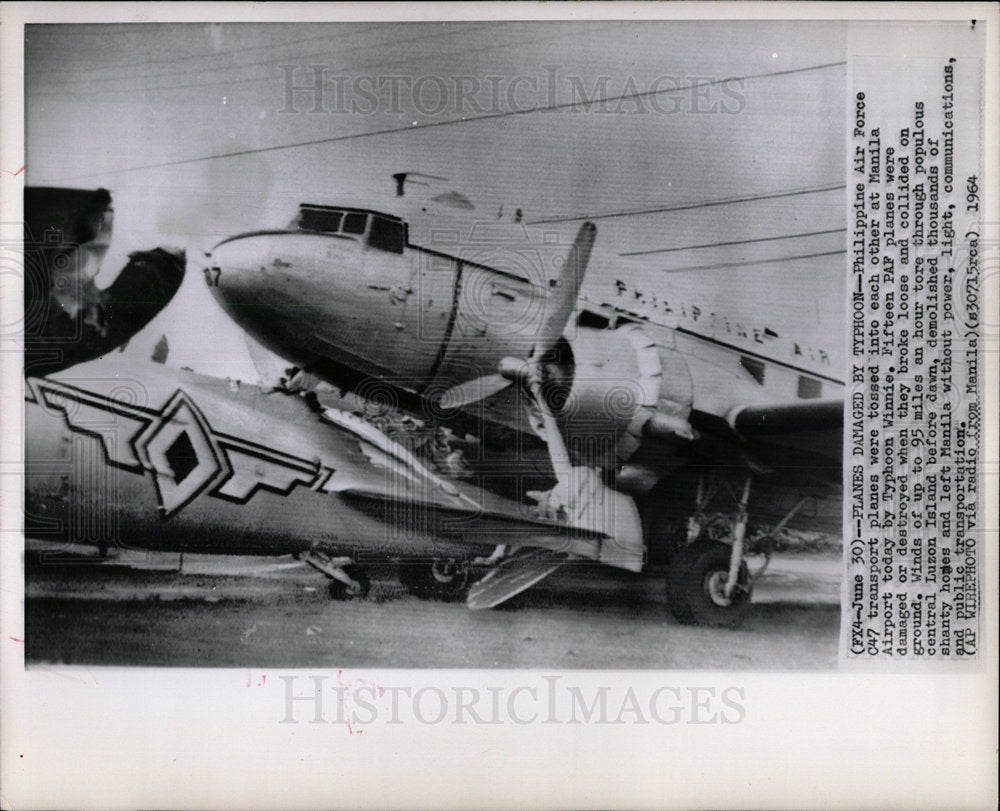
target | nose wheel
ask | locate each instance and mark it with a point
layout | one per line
(347, 581)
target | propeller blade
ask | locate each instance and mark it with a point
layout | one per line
(553, 437)
(479, 388)
(559, 307)
(562, 300)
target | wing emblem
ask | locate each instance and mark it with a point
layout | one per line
(183, 456)
(177, 446)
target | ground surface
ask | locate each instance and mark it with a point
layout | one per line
(138, 609)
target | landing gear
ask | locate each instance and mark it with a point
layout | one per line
(358, 589)
(709, 582)
(697, 590)
(441, 579)
(347, 581)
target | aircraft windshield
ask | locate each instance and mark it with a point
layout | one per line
(384, 233)
(354, 223)
(318, 219)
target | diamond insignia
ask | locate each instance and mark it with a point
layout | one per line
(182, 454)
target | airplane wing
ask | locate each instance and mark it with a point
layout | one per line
(787, 437)
(785, 418)
(376, 468)
(400, 482)
(131, 407)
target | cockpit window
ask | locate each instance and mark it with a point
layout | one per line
(354, 223)
(317, 219)
(386, 235)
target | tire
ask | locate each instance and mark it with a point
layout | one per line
(341, 591)
(695, 587)
(440, 579)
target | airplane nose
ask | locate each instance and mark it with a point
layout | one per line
(256, 280)
(295, 292)
(235, 272)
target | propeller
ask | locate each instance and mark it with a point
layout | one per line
(559, 308)
(580, 497)
(471, 391)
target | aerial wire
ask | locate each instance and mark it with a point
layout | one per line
(277, 60)
(468, 120)
(750, 262)
(119, 66)
(735, 242)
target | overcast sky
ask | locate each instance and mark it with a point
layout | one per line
(109, 105)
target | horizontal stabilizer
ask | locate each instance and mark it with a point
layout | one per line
(512, 576)
(68, 319)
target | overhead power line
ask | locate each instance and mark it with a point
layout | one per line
(188, 57)
(688, 206)
(353, 68)
(86, 80)
(470, 120)
(735, 242)
(747, 263)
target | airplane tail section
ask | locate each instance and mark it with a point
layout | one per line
(67, 318)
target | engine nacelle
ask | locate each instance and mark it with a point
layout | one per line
(617, 386)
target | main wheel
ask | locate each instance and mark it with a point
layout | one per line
(440, 579)
(341, 591)
(696, 587)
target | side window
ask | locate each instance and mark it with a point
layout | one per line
(754, 367)
(313, 219)
(809, 389)
(386, 235)
(354, 223)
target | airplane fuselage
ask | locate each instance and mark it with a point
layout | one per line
(344, 293)
(149, 457)
(366, 302)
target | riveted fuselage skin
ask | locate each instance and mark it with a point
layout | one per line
(419, 321)
(401, 324)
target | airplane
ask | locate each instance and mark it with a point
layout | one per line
(132, 453)
(647, 431)
(120, 452)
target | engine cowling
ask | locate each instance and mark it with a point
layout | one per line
(615, 387)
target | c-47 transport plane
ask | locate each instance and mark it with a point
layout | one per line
(468, 412)
(603, 413)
